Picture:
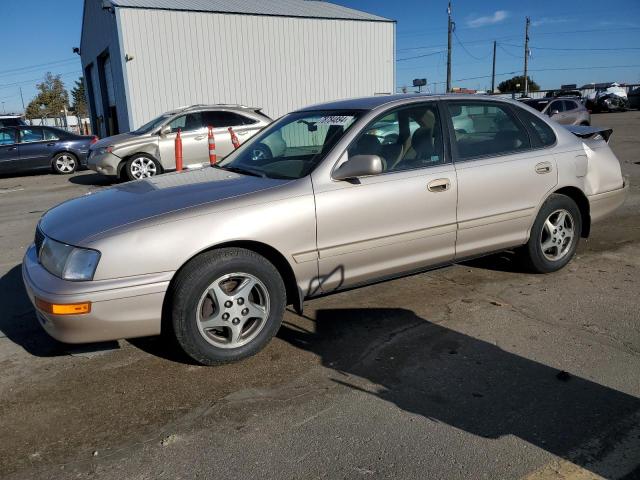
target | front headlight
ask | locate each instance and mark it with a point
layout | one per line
(67, 262)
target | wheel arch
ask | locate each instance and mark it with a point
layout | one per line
(294, 296)
(581, 200)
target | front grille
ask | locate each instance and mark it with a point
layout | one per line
(39, 239)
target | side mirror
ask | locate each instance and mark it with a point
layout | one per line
(166, 130)
(553, 112)
(359, 166)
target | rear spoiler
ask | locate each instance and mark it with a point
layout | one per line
(589, 132)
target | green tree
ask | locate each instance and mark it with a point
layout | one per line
(79, 99)
(516, 84)
(52, 94)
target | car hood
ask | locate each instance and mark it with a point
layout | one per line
(114, 140)
(77, 220)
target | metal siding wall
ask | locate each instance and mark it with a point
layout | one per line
(276, 63)
(99, 32)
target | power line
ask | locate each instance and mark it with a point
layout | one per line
(577, 49)
(31, 67)
(420, 56)
(24, 82)
(467, 51)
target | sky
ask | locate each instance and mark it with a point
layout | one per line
(571, 42)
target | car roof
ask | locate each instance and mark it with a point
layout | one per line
(371, 103)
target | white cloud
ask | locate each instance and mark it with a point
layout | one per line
(497, 17)
(548, 21)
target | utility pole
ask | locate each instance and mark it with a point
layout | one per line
(450, 30)
(526, 58)
(22, 98)
(493, 71)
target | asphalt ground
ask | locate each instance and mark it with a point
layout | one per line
(478, 370)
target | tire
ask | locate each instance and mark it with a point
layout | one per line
(64, 163)
(198, 315)
(141, 165)
(553, 235)
(261, 152)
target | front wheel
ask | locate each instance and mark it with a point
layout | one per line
(141, 166)
(227, 305)
(555, 235)
(64, 163)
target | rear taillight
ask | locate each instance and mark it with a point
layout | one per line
(94, 139)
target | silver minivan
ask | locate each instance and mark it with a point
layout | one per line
(150, 150)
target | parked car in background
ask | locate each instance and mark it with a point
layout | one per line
(31, 147)
(220, 251)
(608, 102)
(11, 121)
(150, 150)
(566, 111)
(564, 93)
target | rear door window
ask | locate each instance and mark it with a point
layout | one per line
(485, 128)
(50, 135)
(557, 105)
(540, 133)
(31, 134)
(221, 118)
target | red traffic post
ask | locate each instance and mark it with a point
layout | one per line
(234, 138)
(212, 147)
(178, 145)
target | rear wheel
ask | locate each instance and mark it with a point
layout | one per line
(227, 305)
(555, 235)
(64, 163)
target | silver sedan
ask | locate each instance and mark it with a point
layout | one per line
(213, 256)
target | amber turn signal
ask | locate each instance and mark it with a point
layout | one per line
(63, 309)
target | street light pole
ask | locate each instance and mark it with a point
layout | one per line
(449, 30)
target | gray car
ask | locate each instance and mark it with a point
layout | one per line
(566, 111)
(150, 150)
(212, 256)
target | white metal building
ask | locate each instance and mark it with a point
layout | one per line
(144, 57)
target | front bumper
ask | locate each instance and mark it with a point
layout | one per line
(106, 163)
(603, 204)
(120, 308)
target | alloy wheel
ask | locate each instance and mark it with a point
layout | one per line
(233, 310)
(557, 235)
(65, 163)
(143, 167)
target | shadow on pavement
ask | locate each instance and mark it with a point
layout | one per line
(19, 323)
(470, 384)
(94, 179)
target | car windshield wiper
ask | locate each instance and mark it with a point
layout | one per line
(242, 171)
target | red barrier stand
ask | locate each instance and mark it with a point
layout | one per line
(212, 147)
(234, 138)
(178, 145)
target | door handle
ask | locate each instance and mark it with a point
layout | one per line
(439, 185)
(543, 167)
(201, 137)
(242, 133)
(51, 144)
(11, 149)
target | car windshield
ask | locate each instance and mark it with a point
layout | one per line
(292, 146)
(153, 124)
(537, 104)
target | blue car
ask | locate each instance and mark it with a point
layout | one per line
(26, 147)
